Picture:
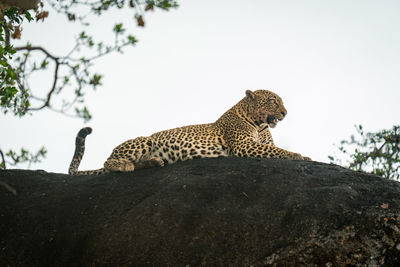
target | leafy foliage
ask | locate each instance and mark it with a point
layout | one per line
(375, 152)
(12, 96)
(24, 156)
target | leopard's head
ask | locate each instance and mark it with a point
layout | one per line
(264, 107)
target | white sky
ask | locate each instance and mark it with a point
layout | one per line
(334, 63)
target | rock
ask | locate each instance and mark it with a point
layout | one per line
(224, 212)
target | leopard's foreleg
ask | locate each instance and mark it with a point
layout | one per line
(261, 150)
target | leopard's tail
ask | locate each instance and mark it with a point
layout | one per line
(79, 151)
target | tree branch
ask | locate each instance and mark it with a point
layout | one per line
(31, 48)
(47, 103)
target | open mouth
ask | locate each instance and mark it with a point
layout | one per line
(272, 121)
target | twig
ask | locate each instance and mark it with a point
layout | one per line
(30, 48)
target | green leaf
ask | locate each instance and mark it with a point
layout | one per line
(28, 16)
(11, 91)
(11, 73)
(118, 28)
(10, 50)
(83, 35)
(44, 64)
(95, 80)
(132, 39)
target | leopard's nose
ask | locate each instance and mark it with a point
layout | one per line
(283, 113)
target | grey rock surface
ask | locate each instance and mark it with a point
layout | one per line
(214, 212)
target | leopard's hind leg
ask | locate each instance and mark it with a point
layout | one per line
(133, 154)
(150, 163)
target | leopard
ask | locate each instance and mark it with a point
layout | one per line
(242, 131)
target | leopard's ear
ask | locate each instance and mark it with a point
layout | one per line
(250, 94)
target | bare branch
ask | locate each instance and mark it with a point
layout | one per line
(50, 93)
(31, 48)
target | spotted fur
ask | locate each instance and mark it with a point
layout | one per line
(242, 131)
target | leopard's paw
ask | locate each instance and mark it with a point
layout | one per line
(296, 156)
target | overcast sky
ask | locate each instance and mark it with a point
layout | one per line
(334, 63)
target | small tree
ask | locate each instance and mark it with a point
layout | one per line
(374, 152)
